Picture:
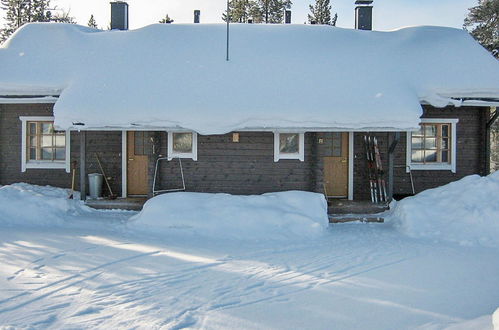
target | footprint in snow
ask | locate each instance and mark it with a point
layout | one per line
(10, 278)
(57, 256)
(88, 310)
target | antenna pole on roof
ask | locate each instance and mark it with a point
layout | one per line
(228, 21)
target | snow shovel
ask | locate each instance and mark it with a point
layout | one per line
(111, 195)
(73, 169)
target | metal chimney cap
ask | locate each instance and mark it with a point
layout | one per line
(363, 2)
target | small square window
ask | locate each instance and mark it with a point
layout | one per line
(182, 142)
(42, 145)
(433, 146)
(182, 145)
(288, 143)
(289, 146)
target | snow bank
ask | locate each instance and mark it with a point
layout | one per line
(465, 211)
(22, 204)
(282, 215)
(278, 76)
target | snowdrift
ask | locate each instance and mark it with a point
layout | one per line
(22, 204)
(282, 215)
(465, 212)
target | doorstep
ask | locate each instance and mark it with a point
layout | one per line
(341, 211)
(131, 203)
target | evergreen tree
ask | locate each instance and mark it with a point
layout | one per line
(92, 23)
(273, 10)
(166, 20)
(320, 13)
(20, 12)
(241, 11)
(483, 20)
(259, 11)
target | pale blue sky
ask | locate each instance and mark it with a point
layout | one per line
(388, 14)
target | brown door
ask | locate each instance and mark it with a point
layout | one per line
(336, 167)
(137, 160)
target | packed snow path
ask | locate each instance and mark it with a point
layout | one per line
(102, 275)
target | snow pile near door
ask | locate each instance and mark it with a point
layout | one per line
(22, 204)
(282, 215)
(465, 211)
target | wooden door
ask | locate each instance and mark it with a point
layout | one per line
(137, 161)
(336, 167)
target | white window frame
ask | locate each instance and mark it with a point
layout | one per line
(28, 164)
(172, 154)
(453, 148)
(300, 155)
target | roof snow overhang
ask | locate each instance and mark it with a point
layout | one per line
(280, 77)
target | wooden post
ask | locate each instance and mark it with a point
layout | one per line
(83, 172)
(393, 139)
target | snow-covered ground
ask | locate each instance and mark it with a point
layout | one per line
(93, 269)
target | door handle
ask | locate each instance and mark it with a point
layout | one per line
(130, 159)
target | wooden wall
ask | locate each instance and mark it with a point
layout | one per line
(246, 167)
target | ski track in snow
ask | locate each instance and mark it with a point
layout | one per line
(79, 278)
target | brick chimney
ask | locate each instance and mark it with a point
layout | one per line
(364, 15)
(119, 15)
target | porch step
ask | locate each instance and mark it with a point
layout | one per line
(132, 204)
(336, 218)
(340, 206)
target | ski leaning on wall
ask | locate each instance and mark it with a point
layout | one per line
(375, 172)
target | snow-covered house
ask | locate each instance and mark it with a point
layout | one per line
(288, 110)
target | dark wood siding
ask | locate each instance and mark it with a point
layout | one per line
(470, 154)
(246, 167)
(107, 144)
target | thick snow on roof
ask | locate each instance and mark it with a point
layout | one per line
(278, 76)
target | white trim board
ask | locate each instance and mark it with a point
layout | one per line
(251, 129)
(28, 100)
(124, 164)
(350, 164)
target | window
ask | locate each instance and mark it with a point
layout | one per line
(433, 147)
(288, 145)
(42, 145)
(182, 145)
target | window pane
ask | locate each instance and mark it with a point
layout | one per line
(430, 156)
(138, 143)
(445, 143)
(32, 141)
(420, 132)
(60, 153)
(417, 143)
(289, 143)
(417, 156)
(32, 154)
(182, 142)
(47, 153)
(337, 144)
(445, 130)
(445, 156)
(430, 143)
(46, 141)
(60, 140)
(47, 128)
(32, 128)
(430, 130)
